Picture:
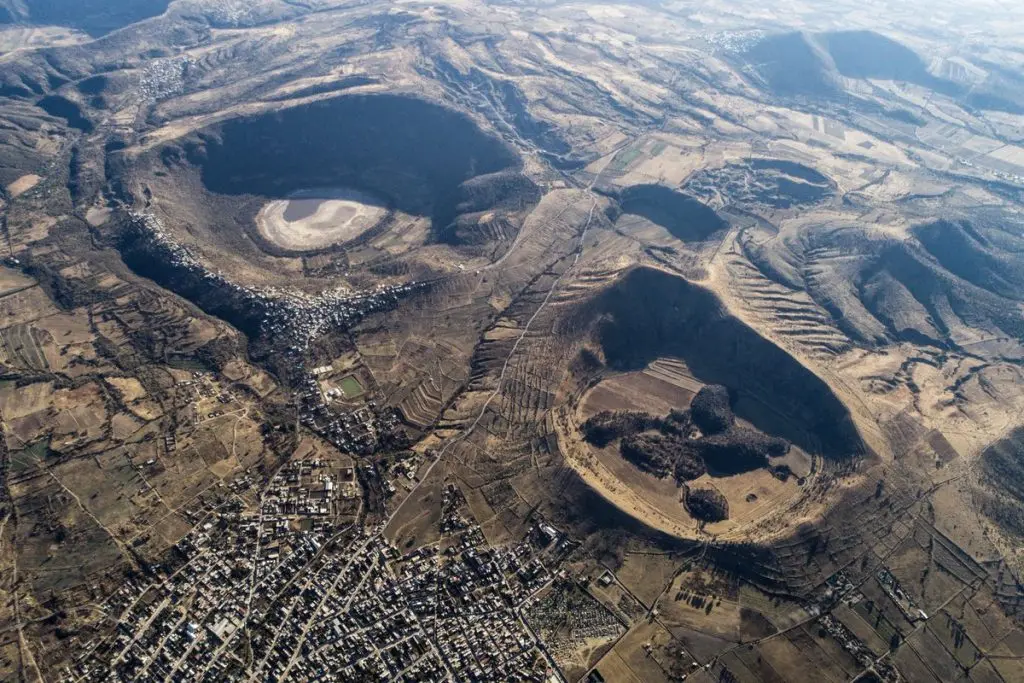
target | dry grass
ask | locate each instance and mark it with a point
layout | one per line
(648, 391)
(23, 184)
(129, 388)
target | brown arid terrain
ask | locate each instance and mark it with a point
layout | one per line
(505, 340)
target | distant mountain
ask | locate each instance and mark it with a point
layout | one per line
(809, 64)
(866, 54)
(793, 64)
(95, 17)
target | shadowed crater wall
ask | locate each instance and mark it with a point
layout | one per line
(414, 154)
(650, 314)
(683, 216)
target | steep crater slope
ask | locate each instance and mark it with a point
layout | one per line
(504, 103)
(346, 164)
(650, 314)
(409, 151)
(490, 208)
(685, 217)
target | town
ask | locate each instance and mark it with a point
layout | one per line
(295, 591)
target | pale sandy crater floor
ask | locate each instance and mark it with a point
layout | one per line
(318, 218)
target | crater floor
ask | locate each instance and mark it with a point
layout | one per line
(317, 218)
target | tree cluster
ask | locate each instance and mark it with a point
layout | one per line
(650, 452)
(707, 505)
(666, 446)
(739, 449)
(608, 426)
(711, 410)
